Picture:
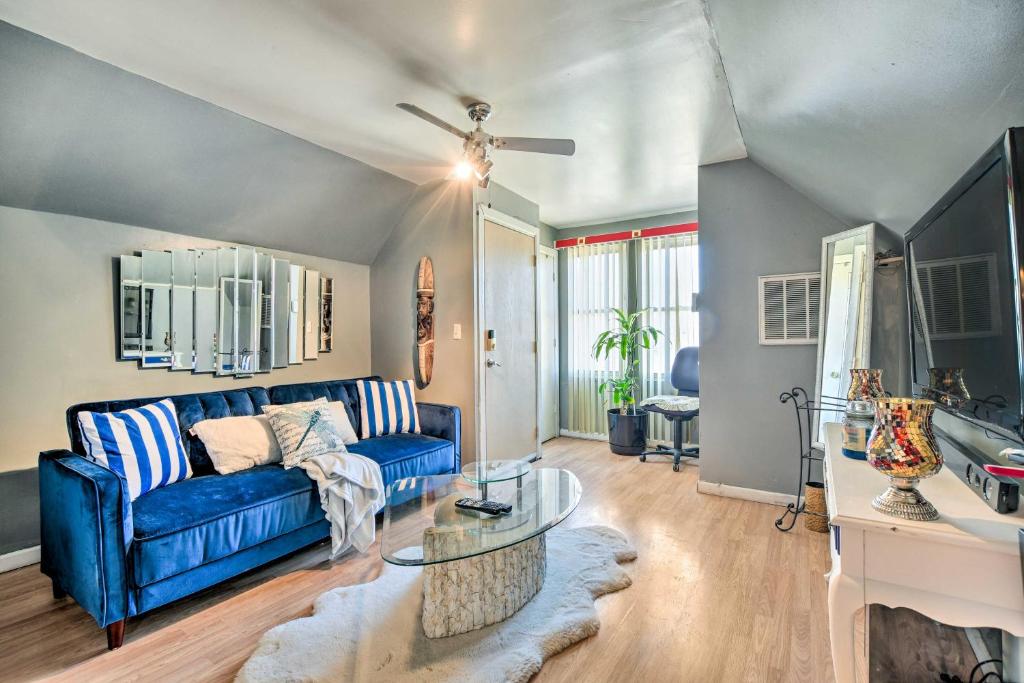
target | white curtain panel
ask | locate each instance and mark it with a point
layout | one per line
(596, 283)
(666, 277)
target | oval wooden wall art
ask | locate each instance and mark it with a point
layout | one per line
(424, 322)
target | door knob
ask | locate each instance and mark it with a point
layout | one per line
(492, 363)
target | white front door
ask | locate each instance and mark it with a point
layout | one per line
(509, 328)
(548, 344)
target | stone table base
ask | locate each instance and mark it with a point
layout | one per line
(464, 595)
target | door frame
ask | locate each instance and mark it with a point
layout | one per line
(485, 213)
(552, 252)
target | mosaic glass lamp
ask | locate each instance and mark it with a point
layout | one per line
(865, 384)
(946, 386)
(903, 447)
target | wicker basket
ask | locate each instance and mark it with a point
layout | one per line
(816, 512)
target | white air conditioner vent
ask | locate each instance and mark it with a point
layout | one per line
(788, 308)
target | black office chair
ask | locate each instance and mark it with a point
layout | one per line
(685, 380)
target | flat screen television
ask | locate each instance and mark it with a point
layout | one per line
(963, 266)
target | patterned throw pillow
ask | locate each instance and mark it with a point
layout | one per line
(142, 445)
(387, 408)
(305, 430)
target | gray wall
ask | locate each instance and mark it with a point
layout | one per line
(81, 137)
(57, 326)
(57, 343)
(438, 223)
(751, 224)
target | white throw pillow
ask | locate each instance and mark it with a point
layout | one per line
(348, 434)
(238, 443)
(305, 430)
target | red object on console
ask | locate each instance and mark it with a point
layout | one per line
(1015, 472)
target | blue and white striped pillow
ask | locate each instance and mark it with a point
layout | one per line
(387, 408)
(142, 445)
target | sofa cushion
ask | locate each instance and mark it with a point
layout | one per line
(335, 390)
(408, 455)
(200, 520)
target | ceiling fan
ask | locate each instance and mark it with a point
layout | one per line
(478, 143)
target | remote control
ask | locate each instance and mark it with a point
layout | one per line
(489, 507)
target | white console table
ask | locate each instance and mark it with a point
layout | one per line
(962, 570)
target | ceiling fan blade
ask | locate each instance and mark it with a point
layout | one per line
(430, 118)
(541, 145)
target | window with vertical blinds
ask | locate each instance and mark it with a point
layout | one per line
(658, 274)
(596, 283)
(666, 284)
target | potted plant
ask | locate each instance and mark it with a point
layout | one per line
(627, 425)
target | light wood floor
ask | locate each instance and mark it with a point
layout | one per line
(718, 595)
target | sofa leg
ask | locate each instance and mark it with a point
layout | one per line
(115, 635)
(58, 592)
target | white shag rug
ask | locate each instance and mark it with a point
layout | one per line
(373, 632)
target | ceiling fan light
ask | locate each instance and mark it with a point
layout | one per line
(463, 170)
(483, 169)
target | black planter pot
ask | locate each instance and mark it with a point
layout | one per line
(627, 434)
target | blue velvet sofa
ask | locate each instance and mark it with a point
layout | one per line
(119, 559)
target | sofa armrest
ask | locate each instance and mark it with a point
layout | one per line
(84, 522)
(444, 422)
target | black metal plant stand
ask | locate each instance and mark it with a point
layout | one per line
(805, 409)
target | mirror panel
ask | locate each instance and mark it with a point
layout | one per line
(156, 309)
(326, 314)
(247, 310)
(183, 281)
(227, 319)
(205, 319)
(131, 307)
(281, 269)
(844, 332)
(311, 337)
(296, 313)
(265, 275)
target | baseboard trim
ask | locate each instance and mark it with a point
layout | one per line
(756, 495)
(590, 436)
(595, 436)
(19, 558)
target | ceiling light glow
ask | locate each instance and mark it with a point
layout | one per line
(463, 170)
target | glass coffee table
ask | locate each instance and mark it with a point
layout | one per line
(492, 471)
(477, 569)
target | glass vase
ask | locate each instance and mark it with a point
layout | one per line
(902, 446)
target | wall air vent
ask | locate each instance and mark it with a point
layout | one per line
(788, 308)
(959, 297)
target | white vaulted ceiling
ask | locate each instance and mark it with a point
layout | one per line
(872, 108)
(638, 85)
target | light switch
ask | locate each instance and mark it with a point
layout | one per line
(456, 331)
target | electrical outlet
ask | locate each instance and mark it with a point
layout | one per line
(456, 331)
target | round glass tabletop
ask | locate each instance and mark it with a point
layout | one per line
(495, 470)
(423, 526)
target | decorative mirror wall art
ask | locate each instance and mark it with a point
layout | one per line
(231, 311)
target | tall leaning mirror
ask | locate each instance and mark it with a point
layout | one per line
(844, 323)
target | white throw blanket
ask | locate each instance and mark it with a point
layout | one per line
(351, 493)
